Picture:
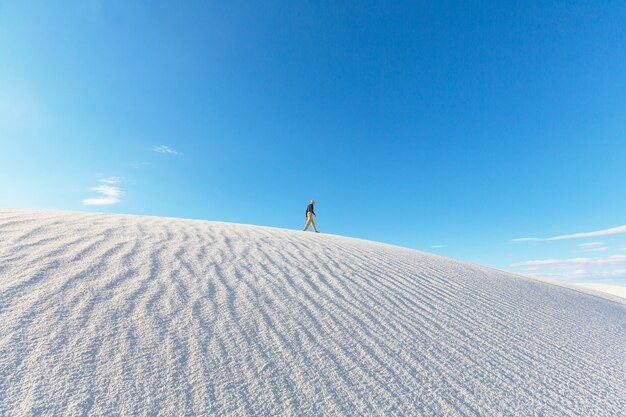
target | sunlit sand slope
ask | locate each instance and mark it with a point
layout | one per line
(106, 315)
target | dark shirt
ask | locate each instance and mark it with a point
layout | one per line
(310, 209)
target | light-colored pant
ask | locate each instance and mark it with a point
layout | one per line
(309, 221)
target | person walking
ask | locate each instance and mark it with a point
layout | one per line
(310, 212)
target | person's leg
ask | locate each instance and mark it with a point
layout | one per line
(313, 224)
(309, 220)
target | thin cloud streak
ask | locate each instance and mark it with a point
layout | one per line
(611, 231)
(588, 244)
(164, 149)
(576, 275)
(593, 250)
(112, 180)
(604, 232)
(102, 201)
(575, 262)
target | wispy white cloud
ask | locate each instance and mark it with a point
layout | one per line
(621, 272)
(592, 247)
(164, 149)
(526, 239)
(604, 232)
(575, 263)
(589, 244)
(102, 201)
(437, 246)
(600, 249)
(112, 180)
(109, 194)
(107, 190)
(584, 268)
(616, 275)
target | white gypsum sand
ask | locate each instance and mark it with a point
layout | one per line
(106, 315)
(614, 290)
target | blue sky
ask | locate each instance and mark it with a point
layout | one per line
(450, 127)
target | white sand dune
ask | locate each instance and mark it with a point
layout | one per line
(106, 315)
(614, 290)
